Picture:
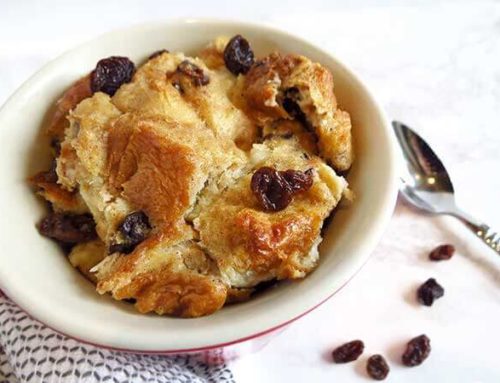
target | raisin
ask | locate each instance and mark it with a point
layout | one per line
(157, 53)
(293, 109)
(238, 55)
(429, 291)
(134, 229)
(68, 229)
(348, 352)
(290, 102)
(271, 189)
(291, 106)
(417, 350)
(110, 73)
(377, 367)
(298, 181)
(275, 189)
(198, 77)
(442, 253)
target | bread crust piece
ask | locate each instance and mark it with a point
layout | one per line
(213, 54)
(251, 245)
(58, 123)
(61, 199)
(161, 166)
(81, 164)
(166, 274)
(277, 83)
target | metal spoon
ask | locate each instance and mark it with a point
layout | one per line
(427, 185)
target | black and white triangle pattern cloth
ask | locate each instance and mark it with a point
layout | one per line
(31, 352)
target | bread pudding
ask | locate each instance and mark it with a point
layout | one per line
(188, 183)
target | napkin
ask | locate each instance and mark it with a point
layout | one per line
(32, 352)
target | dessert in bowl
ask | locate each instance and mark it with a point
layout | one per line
(205, 178)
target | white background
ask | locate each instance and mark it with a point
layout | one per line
(434, 65)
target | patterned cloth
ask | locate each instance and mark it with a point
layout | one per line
(31, 352)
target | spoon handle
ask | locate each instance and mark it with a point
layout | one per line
(483, 231)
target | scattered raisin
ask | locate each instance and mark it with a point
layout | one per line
(348, 352)
(417, 350)
(429, 291)
(68, 229)
(271, 189)
(442, 253)
(134, 229)
(275, 189)
(198, 77)
(298, 181)
(377, 367)
(110, 73)
(238, 55)
(157, 53)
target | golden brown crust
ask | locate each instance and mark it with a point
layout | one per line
(291, 128)
(262, 87)
(337, 146)
(269, 241)
(142, 157)
(165, 292)
(61, 199)
(214, 107)
(76, 93)
(213, 54)
(154, 92)
(277, 81)
(251, 245)
(165, 276)
(157, 153)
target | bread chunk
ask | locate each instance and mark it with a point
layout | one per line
(251, 245)
(293, 87)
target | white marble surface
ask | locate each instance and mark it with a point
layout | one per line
(435, 65)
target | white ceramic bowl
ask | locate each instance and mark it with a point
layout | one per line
(35, 274)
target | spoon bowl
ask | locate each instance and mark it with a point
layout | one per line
(426, 184)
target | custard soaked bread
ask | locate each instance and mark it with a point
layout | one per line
(195, 179)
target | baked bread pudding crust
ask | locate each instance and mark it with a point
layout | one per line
(203, 181)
